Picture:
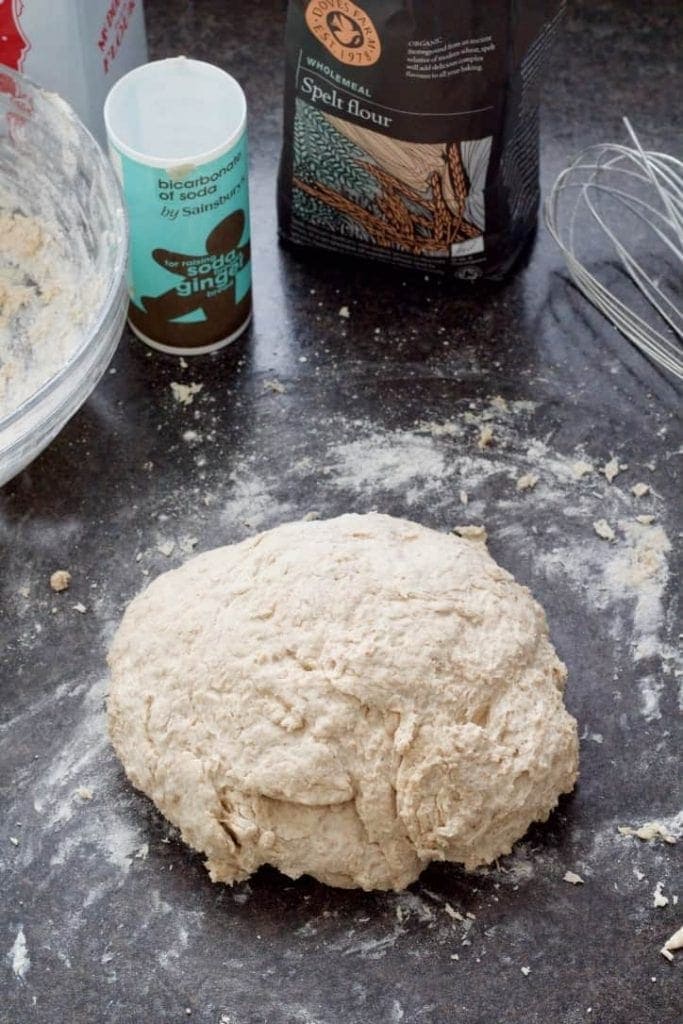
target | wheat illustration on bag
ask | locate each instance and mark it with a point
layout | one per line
(412, 196)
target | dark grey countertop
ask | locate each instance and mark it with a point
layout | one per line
(121, 922)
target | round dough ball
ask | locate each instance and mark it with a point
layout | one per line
(349, 698)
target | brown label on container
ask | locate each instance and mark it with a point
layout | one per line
(206, 286)
(346, 30)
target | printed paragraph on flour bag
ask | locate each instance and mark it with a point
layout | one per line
(411, 136)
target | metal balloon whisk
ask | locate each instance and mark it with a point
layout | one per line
(626, 203)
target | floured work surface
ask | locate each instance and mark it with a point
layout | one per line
(90, 850)
(421, 405)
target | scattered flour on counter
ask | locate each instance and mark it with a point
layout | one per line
(382, 461)
(446, 428)
(71, 828)
(251, 504)
(651, 689)
(18, 956)
(639, 569)
(527, 482)
(627, 580)
(636, 866)
(519, 867)
(86, 847)
(622, 585)
(372, 941)
(658, 898)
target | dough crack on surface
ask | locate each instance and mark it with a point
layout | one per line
(349, 698)
(224, 822)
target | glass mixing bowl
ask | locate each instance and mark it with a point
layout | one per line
(52, 169)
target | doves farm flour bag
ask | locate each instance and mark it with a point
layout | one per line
(411, 130)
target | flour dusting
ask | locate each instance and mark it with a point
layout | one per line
(384, 462)
(69, 826)
(18, 956)
(544, 533)
(640, 569)
(252, 504)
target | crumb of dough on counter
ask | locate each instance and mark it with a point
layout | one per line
(658, 897)
(648, 831)
(604, 530)
(527, 481)
(611, 469)
(184, 393)
(485, 436)
(60, 580)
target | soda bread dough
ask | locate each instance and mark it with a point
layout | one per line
(349, 698)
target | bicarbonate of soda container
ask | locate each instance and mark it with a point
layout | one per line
(177, 132)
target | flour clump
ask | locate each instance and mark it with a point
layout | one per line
(347, 698)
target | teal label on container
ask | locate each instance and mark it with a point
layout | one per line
(190, 260)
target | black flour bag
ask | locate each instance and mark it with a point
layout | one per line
(411, 130)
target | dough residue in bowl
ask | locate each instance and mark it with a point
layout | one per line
(42, 307)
